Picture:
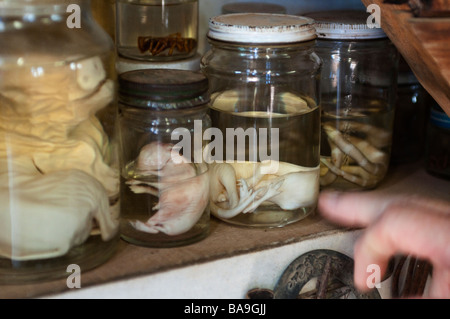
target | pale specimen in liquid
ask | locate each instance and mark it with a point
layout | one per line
(183, 195)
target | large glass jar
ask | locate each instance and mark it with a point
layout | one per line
(264, 82)
(59, 178)
(358, 91)
(412, 110)
(164, 180)
(157, 30)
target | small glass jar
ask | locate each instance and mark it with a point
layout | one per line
(358, 91)
(437, 151)
(157, 30)
(59, 169)
(412, 110)
(264, 83)
(164, 178)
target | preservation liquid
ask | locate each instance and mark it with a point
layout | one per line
(285, 137)
(355, 150)
(155, 30)
(141, 199)
(59, 202)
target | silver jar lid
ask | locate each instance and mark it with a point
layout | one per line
(345, 25)
(261, 28)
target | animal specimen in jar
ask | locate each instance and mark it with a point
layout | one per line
(183, 193)
(59, 183)
(243, 187)
(45, 215)
(357, 153)
(170, 45)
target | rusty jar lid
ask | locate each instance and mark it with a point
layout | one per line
(345, 25)
(261, 28)
(163, 89)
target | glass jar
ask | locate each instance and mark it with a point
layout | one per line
(157, 30)
(264, 82)
(164, 178)
(437, 154)
(358, 91)
(59, 197)
(411, 116)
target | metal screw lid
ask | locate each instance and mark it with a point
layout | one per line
(261, 28)
(163, 89)
(345, 25)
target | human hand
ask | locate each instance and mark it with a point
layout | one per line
(405, 225)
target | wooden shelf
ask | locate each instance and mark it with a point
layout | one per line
(425, 45)
(226, 241)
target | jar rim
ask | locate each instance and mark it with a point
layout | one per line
(344, 25)
(261, 28)
(164, 88)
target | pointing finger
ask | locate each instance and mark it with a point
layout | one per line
(352, 209)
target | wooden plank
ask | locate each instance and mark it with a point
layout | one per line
(436, 45)
(433, 8)
(425, 45)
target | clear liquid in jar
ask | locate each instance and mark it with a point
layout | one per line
(153, 31)
(142, 201)
(355, 149)
(287, 194)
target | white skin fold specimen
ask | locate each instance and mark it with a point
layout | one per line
(57, 180)
(242, 187)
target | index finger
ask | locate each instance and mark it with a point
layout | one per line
(352, 209)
